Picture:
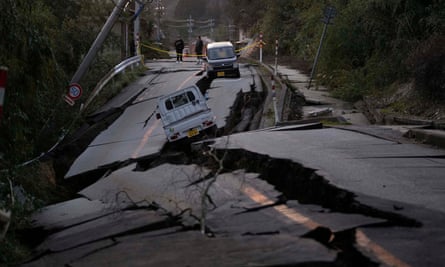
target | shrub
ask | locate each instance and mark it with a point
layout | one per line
(428, 65)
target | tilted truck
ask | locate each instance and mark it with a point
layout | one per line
(185, 114)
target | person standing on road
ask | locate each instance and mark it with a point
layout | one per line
(198, 49)
(179, 46)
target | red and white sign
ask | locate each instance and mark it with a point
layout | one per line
(74, 91)
(68, 100)
(3, 79)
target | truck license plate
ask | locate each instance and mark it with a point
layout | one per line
(220, 74)
(193, 132)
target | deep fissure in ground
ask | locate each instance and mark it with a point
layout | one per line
(292, 179)
(297, 182)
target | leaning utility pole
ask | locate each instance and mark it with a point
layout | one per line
(136, 26)
(329, 13)
(95, 47)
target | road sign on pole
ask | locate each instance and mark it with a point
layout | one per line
(68, 100)
(261, 47)
(74, 91)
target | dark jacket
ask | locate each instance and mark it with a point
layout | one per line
(198, 46)
(179, 45)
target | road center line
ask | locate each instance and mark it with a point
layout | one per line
(381, 253)
(362, 240)
(144, 139)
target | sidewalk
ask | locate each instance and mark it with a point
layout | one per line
(319, 104)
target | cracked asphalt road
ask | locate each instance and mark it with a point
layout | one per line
(299, 197)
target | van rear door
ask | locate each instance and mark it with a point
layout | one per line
(182, 105)
(185, 113)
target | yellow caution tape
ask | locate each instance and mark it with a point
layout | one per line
(195, 55)
(155, 48)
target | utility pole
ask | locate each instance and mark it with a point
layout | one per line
(231, 29)
(261, 47)
(190, 25)
(159, 13)
(329, 13)
(97, 44)
(211, 25)
(136, 26)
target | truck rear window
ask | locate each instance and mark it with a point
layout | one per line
(179, 100)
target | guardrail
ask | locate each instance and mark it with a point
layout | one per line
(129, 62)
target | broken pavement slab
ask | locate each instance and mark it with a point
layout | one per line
(68, 256)
(390, 180)
(335, 221)
(176, 189)
(126, 135)
(131, 231)
(356, 162)
(416, 246)
(166, 186)
(290, 218)
(194, 249)
(109, 226)
(69, 213)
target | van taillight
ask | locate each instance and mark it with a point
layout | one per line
(175, 136)
(207, 123)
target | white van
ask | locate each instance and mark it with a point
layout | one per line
(185, 114)
(221, 60)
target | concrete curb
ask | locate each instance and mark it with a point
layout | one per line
(428, 136)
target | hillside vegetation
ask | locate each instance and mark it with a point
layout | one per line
(371, 48)
(42, 45)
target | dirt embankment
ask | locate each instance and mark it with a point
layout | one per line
(403, 104)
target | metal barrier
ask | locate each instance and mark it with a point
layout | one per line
(129, 62)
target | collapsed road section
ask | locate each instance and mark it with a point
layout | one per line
(134, 136)
(353, 173)
(254, 196)
(289, 196)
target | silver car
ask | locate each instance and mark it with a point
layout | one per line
(221, 60)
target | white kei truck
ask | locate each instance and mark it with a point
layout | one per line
(185, 114)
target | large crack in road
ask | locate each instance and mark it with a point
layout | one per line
(296, 184)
